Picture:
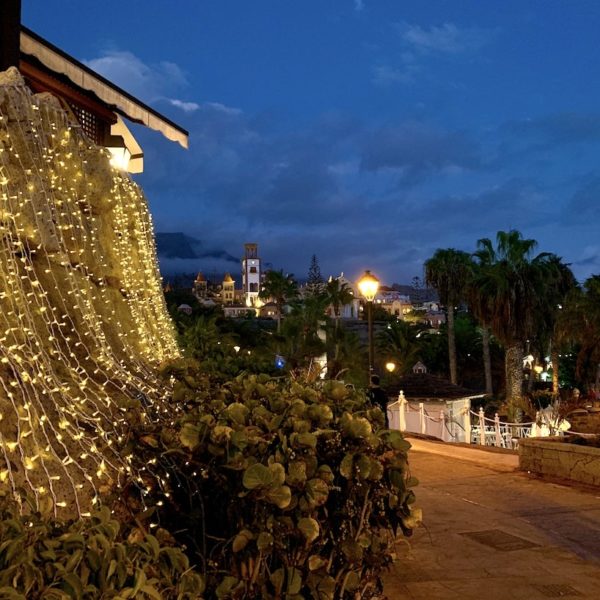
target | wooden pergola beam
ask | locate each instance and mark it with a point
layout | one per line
(10, 29)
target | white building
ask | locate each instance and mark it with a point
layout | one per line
(251, 274)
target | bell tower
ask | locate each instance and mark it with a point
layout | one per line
(251, 274)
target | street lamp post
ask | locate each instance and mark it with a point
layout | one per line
(368, 285)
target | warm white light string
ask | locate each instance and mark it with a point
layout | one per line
(81, 305)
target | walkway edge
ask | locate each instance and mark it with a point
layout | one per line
(492, 460)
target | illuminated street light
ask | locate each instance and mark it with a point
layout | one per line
(390, 366)
(368, 285)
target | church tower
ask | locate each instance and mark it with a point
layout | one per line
(200, 289)
(228, 289)
(251, 275)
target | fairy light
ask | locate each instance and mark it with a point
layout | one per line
(83, 321)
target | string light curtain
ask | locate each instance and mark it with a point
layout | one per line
(83, 322)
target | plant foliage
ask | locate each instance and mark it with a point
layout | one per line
(41, 558)
(280, 489)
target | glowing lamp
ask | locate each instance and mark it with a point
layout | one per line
(119, 154)
(538, 369)
(368, 285)
(390, 366)
(237, 349)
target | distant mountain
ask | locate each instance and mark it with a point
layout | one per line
(417, 294)
(180, 245)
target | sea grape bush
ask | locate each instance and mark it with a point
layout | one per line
(92, 558)
(278, 489)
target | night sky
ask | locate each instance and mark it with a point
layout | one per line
(368, 132)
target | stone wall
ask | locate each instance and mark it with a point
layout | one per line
(556, 458)
(585, 420)
(83, 323)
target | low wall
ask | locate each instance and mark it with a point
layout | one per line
(585, 420)
(556, 458)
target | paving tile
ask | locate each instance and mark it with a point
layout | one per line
(497, 536)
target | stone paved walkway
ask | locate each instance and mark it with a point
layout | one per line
(490, 533)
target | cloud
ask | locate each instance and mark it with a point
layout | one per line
(421, 46)
(359, 5)
(354, 194)
(559, 128)
(444, 39)
(187, 107)
(149, 82)
(415, 150)
(582, 207)
(386, 74)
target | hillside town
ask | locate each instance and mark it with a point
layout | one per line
(245, 299)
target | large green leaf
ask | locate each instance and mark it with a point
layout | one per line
(316, 493)
(296, 475)
(189, 435)
(363, 466)
(310, 528)
(347, 465)
(307, 440)
(396, 440)
(280, 496)
(238, 413)
(278, 473)
(257, 476)
(294, 581)
(240, 541)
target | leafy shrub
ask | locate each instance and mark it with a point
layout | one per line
(282, 490)
(88, 559)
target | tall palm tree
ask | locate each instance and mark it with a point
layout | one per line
(549, 334)
(579, 323)
(512, 287)
(279, 288)
(482, 259)
(448, 271)
(339, 295)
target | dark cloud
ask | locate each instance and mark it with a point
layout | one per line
(584, 204)
(357, 196)
(180, 246)
(515, 204)
(560, 128)
(416, 150)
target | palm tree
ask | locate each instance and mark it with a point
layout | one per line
(399, 342)
(339, 295)
(549, 334)
(579, 323)
(482, 258)
(512, 287)
(279, 288)
(306, 325)
(448, 271)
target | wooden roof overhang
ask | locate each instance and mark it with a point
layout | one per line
(48, 68)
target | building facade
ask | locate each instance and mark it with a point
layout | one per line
(251, 274)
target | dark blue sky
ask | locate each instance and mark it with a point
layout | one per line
(368, 132)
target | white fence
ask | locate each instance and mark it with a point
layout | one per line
(448, 422)
(461, 424)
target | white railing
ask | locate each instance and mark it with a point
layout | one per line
(435, 422)
(499, 433)
(484, 431)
